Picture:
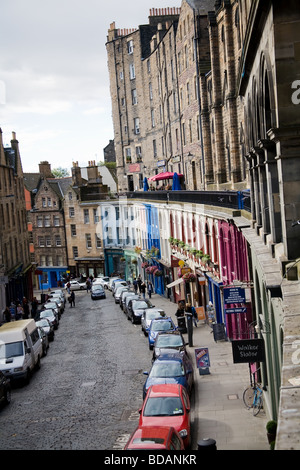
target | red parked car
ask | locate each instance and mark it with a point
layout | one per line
(154, 438)
(168, 405)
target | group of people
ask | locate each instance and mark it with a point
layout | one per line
(19, 310)
(186, 308)
(140, 286)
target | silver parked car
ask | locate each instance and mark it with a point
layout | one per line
(148, 315)
(118, 293)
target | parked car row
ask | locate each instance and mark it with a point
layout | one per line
(24, 342)
(165, 414)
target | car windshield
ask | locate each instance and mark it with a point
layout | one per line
(43, 323)
(121, 289)
(11, 350)
(140, 304)
(163, 406)
(46, 313)
(153, 314)
(167, 369)
(170, 341)
(162, 326)
(51, 305)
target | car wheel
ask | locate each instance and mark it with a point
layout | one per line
(7, 396)
(28, 376)
(38, 364)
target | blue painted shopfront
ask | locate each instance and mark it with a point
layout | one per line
(52, 276)
(215, 297)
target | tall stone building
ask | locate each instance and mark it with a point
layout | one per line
(48, 225)
(83, 221)
(15, 265)
(174, 101)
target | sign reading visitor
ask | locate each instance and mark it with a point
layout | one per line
(234, 295)
(248, 350)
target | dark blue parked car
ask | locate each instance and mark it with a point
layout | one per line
(171, 368)
(157, 325)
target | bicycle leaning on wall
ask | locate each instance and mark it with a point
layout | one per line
(253, 396)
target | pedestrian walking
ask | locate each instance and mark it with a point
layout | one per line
(68, 287)
(190, 309)
(143, 289)
(72, 299)
(149, 289)
(19, 312)
(139, 282)
(34, 307)
(12, 310)
(135, 285)
(7, 315)
(180, 316)
(88, 285)
(25, 306)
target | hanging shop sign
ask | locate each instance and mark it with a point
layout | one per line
(248, 350)
(234, 295)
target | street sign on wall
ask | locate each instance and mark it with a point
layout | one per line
(236, 310)
(234, 295)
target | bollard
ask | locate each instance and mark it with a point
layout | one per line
(207, 444)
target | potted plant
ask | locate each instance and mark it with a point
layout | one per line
(271, 428)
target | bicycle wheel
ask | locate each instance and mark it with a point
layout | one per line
(258, 403)
(248, 397)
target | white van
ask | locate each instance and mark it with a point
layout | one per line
(20, 349)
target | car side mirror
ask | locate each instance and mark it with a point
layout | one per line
(146, 372)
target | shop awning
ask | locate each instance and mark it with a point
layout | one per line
(163, 176)
(175, 283)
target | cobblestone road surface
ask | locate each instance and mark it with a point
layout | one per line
(88, 390)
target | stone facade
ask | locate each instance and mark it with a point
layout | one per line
(83, 222)
(15, 266)
(48, 225)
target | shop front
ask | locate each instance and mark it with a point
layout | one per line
(89, 266)
(51, 277)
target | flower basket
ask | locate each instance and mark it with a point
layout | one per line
(145, 265)
(158, 273)
(189, 277)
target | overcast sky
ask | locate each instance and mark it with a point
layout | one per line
(54, 88)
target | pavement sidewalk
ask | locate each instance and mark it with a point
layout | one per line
(218, 409)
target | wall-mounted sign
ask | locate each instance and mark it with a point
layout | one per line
(134, 168)
(236, 310)
(161, 163)
(234, 295)
(248, 350)
(176, 159)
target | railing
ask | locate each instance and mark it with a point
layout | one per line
(231, 199)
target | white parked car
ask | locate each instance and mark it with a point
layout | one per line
(75, 285)
(103, 281)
